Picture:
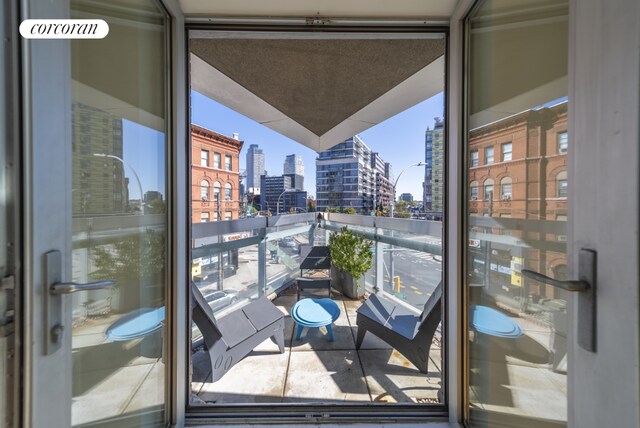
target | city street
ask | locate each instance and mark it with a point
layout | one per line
(419, 274)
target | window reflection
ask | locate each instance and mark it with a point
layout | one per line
(119, 192)
(518, 124)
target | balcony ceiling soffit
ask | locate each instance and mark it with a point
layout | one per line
(318, 91)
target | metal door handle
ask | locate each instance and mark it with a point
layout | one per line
(565, 285)
(72, 287)
(53, 291)
(586, 286)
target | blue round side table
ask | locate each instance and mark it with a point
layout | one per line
(136, 324)
(494, 323)
(315, 313)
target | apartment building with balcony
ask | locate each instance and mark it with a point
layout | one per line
(345, 177)
(383, 195)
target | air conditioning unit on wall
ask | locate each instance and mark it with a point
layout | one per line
(506, 197)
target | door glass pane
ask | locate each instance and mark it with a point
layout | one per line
(119, 135)
(518, 104)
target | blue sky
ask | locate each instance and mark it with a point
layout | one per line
(144, 151)
(399, 140)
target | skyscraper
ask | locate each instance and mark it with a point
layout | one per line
(294, 168)
(433, 171)
(293, 165)
(255, 168)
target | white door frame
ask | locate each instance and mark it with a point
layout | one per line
(604, 99)
(47, 222)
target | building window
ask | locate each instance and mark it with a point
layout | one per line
(474, 158)
(227, 162)
(204, 190)
(216, 191)
(488, 155)
(227, 215)
(563, 142)
(473, 190)
(204, 217)
(562, 185)
(505, 189)
(204, 158)
(216, 160)
(216, 216)
(488, 190)
(506, 152)
(227, 192)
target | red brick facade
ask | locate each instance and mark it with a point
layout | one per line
(533, 169)
(214, 171)
(531, 185)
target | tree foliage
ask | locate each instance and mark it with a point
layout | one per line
(138, 258)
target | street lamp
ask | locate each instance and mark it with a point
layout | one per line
(278, 201)
(393, 204)
(135, 174)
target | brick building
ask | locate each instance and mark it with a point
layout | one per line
(518, 170)
(215, 176)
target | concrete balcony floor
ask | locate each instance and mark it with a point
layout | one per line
(314, 370)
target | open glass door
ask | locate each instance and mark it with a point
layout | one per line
(517, 195)
(97, 228)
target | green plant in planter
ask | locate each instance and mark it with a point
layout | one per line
(352, 254)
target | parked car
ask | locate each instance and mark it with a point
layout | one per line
(288, 242)
(221, 299)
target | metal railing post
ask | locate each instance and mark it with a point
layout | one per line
(262, 267)
(379, 267)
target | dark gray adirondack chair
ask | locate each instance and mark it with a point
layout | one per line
(230, 338)
(409, 334)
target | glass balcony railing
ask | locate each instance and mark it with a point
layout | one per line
(236, 261)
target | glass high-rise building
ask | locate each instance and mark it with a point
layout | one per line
(255, 167)
(293, 165)
(294, 168)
